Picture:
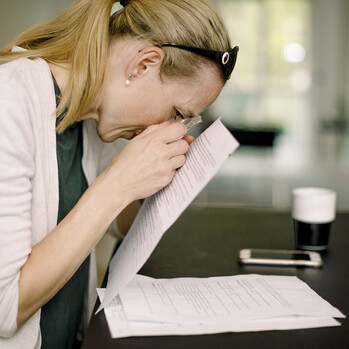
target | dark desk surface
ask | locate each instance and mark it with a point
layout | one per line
(205, 242)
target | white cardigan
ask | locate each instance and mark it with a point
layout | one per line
(29, 184)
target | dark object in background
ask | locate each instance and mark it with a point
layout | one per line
(311, 236)
(255, 137)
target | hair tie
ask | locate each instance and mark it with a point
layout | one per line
(124, 3)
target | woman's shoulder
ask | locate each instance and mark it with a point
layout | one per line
(27, 96)
(24, 73)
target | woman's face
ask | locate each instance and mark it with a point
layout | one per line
(126, 110)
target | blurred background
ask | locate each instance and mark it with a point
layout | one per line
(287, 101)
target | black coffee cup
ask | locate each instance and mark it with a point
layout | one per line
(311, 236)
(313, 211)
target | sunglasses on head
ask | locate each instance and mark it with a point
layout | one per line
(226, 60)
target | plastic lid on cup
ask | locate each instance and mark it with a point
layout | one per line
(313, 205)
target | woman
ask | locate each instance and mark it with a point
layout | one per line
(109, 77)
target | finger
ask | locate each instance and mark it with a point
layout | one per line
(189, 139)
(179, 147)
(153, 128)
(177, 161)
(172, 132)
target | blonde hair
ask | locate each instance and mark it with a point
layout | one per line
(80, 36)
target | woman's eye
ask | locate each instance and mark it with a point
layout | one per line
(178, 115)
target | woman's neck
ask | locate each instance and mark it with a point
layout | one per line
(61, 74)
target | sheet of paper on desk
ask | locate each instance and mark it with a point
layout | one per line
(204, 158)
(183, 300)
(286, 293)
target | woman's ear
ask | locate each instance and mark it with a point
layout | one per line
(146, 60)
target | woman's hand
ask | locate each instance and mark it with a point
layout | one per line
(149, 161)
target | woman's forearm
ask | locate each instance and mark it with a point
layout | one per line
(55, 259)
(145, 165)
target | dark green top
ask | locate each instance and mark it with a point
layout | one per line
(61, 316)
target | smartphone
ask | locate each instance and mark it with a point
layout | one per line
(280, 257)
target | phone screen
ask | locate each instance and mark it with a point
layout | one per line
(280, 255)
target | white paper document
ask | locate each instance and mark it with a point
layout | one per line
(221, 299)
(158, 212)
(150, 307)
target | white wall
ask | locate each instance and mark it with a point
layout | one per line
(330, 74)
(18, 15)
(345, 74)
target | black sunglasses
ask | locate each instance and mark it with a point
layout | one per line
(226, 60)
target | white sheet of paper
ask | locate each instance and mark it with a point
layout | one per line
(158, 212)
(120, 326)
(221, 299)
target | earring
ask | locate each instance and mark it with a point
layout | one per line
(128, 81)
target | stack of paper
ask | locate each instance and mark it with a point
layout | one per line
(150, 307)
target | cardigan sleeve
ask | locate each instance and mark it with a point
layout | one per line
(16, 172)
